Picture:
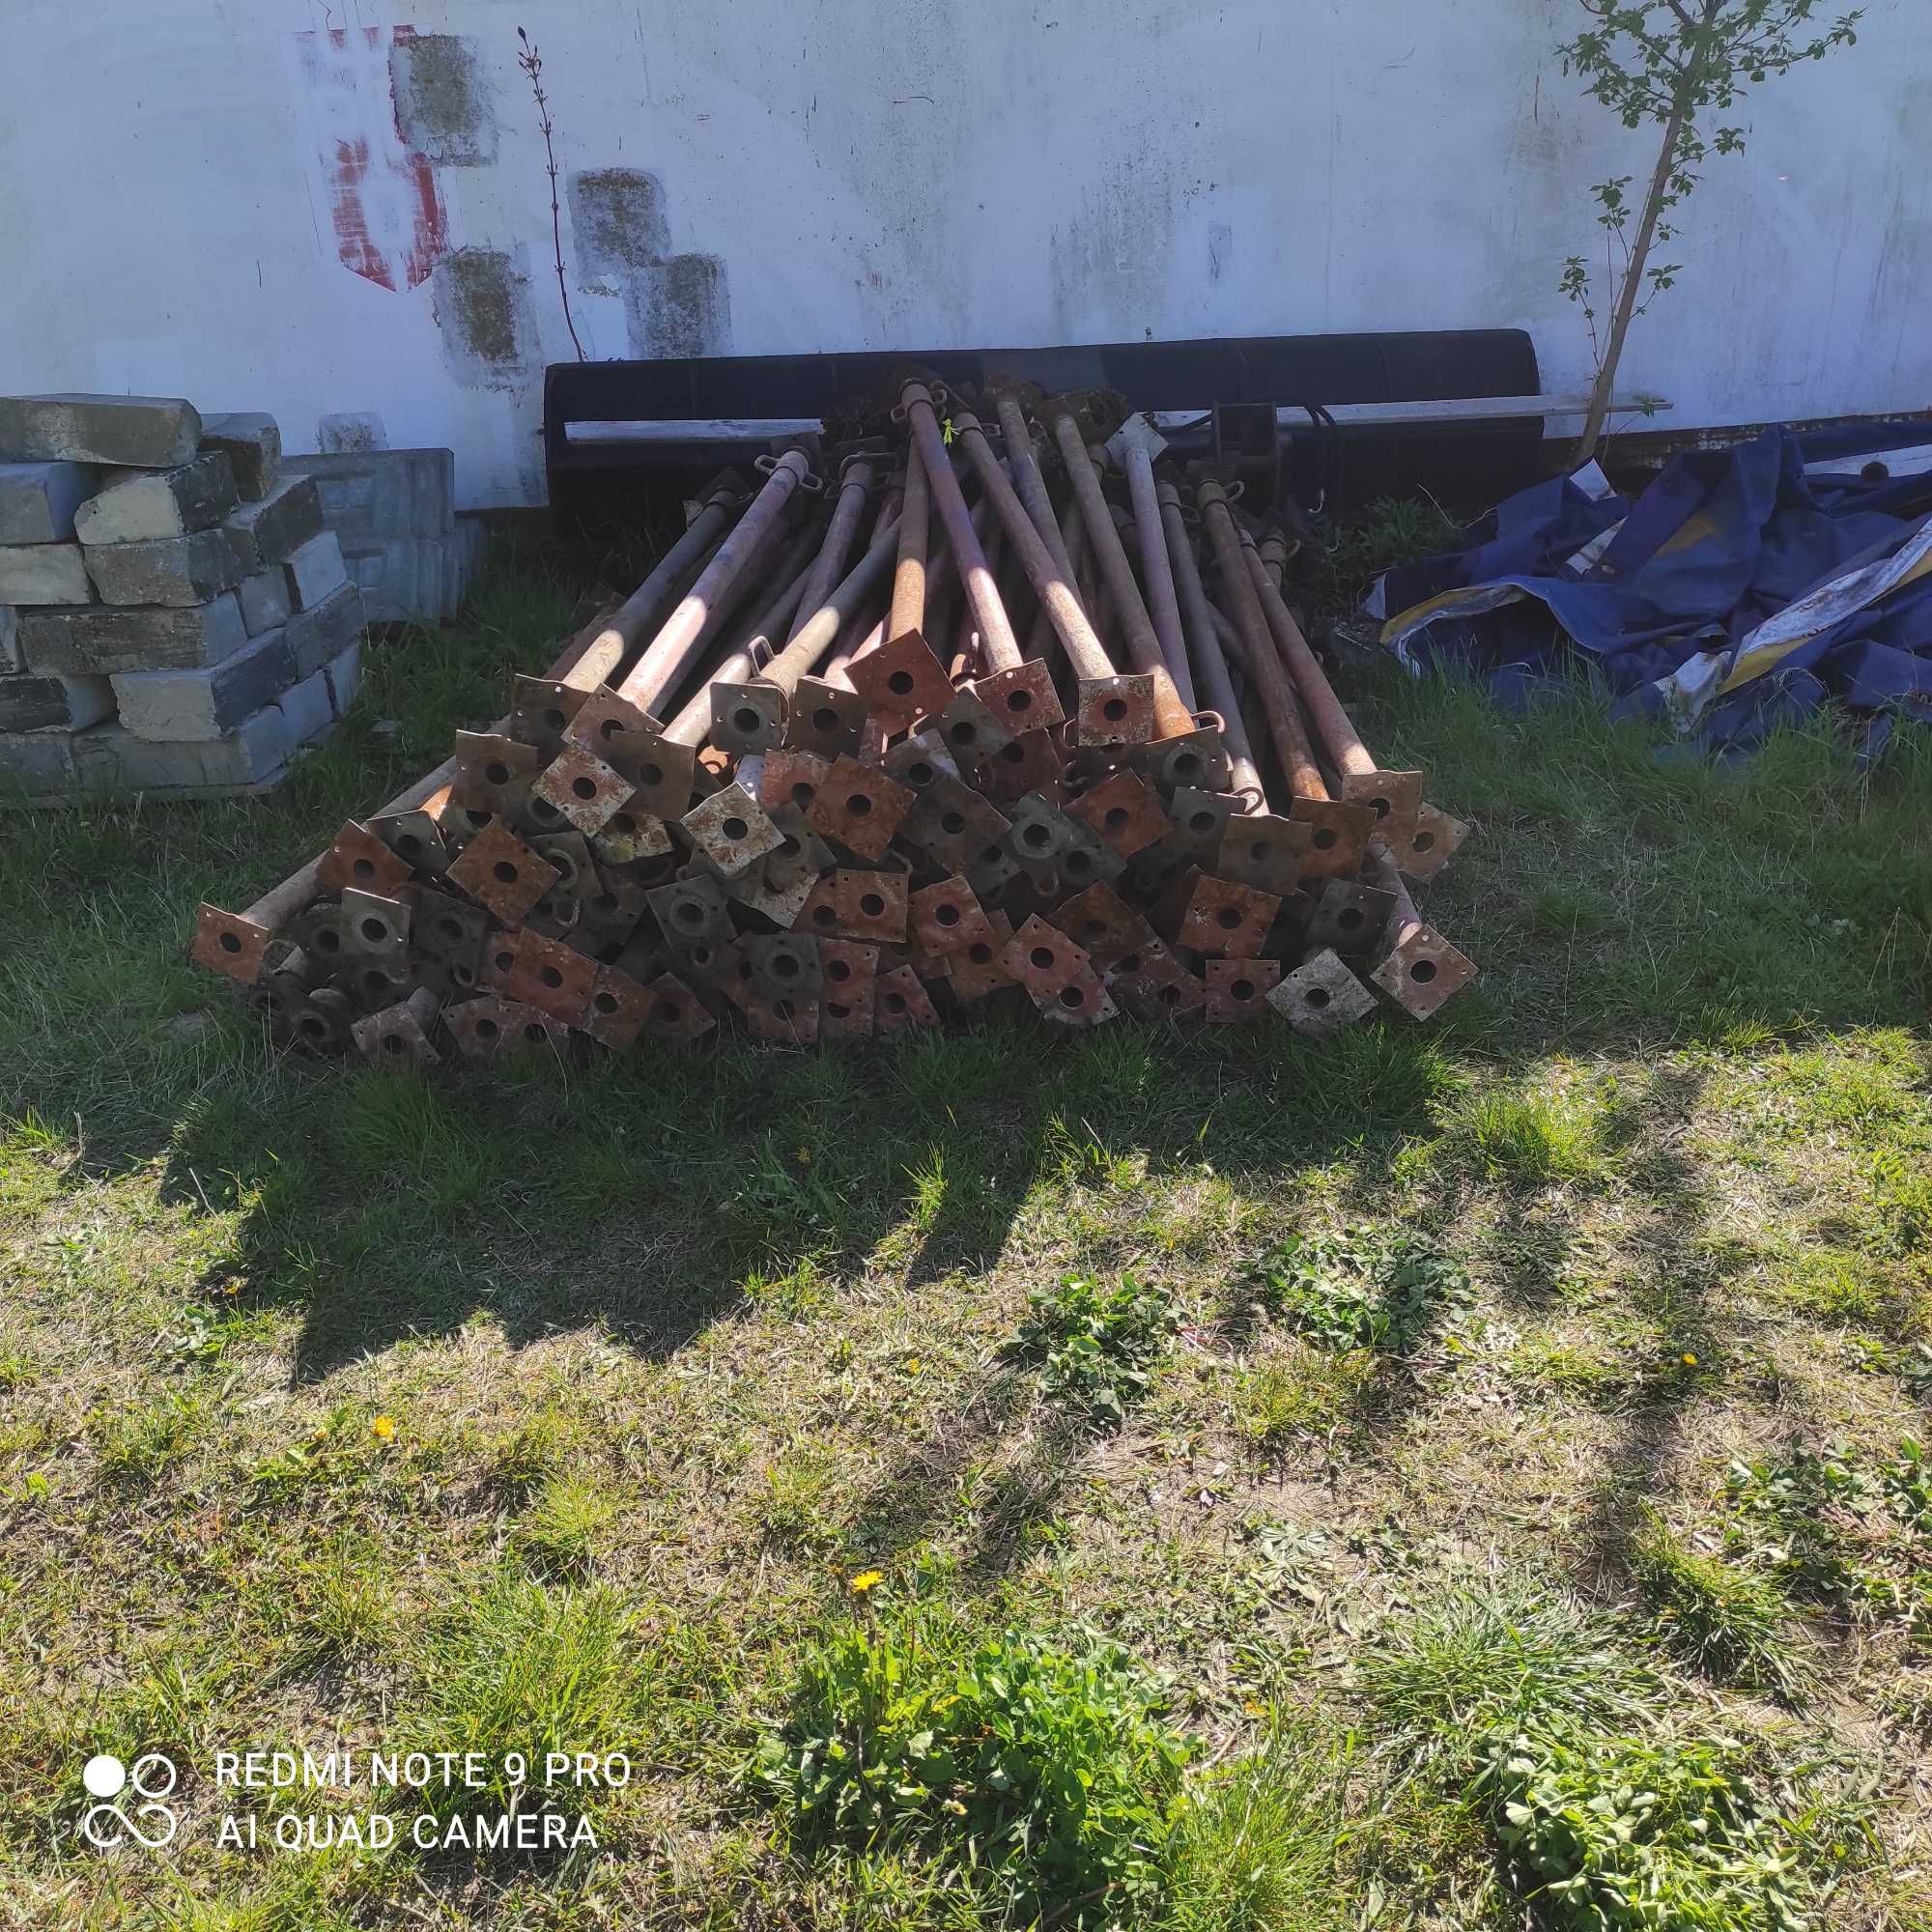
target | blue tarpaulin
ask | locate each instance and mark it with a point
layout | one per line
(1741, 588)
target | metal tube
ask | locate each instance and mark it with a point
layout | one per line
(644, 605)
(818, 629)
(855, 481)
(939, 579)
(909, 587)
(667, 657)
(1163, 605)
(1002, 649)
(1336, 728)
(1191, 603)
(1073, 553)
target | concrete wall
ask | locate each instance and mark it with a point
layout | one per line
(339, 211)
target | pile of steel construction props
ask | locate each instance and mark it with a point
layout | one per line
(1064, 737)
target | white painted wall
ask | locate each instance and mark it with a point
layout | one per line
(891, 173)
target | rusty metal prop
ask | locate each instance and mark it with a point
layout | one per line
(1416, 967)
(1237, 989)
(1320, 996)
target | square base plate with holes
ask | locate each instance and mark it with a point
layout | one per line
(375, 984)
(676, 1013)
(1431, 845)
(785, 965)
(1424, 972)
(785, 1022)
(606, 719)
(1081, 1000)
(1103, 924)
(1237, 989)
(569, 854)
(1263, 851)
(456, 823)
(1349, 915)
(400, 1033)
(550, 976)
(617, 1010)
(955, 827)
(1220, 917)
(899, 1002)
(1338, 835)
(824, 718)
(1114, 711)
(1190, 761)
(977, 969)
(945, 916)
(1320, 996)
(494, 772)
(1153, 984)
(971, 733)
(1200, 821)
(900, 683)
(1122, 813)
(844, 965)
(1042, 957)
(631, 837)
(792, 778)
(918, 760)
(688, 910)
(452, 979)
(488, 1025)
(374, 927)
(1152, 874)
(747, 717)
(415, 838)
(1022, 699)
(585, 791)
(860, 808)
(1041, 832)
(846, 1012)
(1030, 762)
(540, 709)
(359, 858)
(732, 830)
(498, 870)
(228, 945)
(1087, 860)
(1394, 797)
(664, 772)
(847, 903)
(710, 966)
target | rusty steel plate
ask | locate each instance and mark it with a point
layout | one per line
(399, 1035)
(359, 858)
(570, 854)
(617, 1010)
(848, 903)
(901, 682)
(586, 793)
(1338, 835)
(1349, 915)
(631, 837)
(859, 807)
(1030, 762)
(498, 870)
(844, 965)
(1022, 699)
(1200, 820)
(540, 709)
(416, 837)
(228, 945)
(732, 830)
(1424, 972)
(1081, 1000)
(676, 1013)
(663, 771)
(1394, 797)
(918, 760)
(1042, 957)
(1040, 831)
(1237, 989)
(747, 717)
(1103, 924)
(690, 910)
(546, 973)
(845, 1013)
(1320, 996)
(946, 916)
(1191, 760)
(1261, 851)
(1223, 917)
(977, 968)
(1121, 811)
(1431, 844)
(605, 720)
(955, 827)
(785, 965)
(784, 1022)
(1115, 711)
(792, 778)
(494, 772)
(1153, 984)
(825, 718)
(971, 733)
(487, 1026)
(900, 1003)
(375, 927)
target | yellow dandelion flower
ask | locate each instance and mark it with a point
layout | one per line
(1253, 1709)
(913, 1365)
(867, 1579)
(804, 1156)
(383, 1427)
(1689, 1360)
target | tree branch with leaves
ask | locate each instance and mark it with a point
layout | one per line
(1669, 63)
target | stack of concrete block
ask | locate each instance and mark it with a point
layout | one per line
(173, 616)
(393, 511)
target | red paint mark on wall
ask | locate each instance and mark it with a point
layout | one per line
(381, 194)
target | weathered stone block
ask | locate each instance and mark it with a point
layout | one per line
(264, 600)
(109, 758)
(253, 446)
(317, 635)
(102, 641)
(12, 657)
(172, 705)
(54, 703)
(139, 506)
(308, 708)
(315, 571)
(37, 500)
(143, 432)
(345, 679)
(281, 523)
(167, 570)
(38, 763)
(385, 493)
(45, 573)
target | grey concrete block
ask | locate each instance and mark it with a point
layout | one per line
(345, 679)
(45, 573)
(252, 443)
(315, 571)
(172, 705)
(317, 635)
(53, 703)
(254, 755)
(139, 506)
(143, 432)
(102, 641)
(166, 570)
(385, 493)
(307, 708)
(414, 580)
(264, 599)
(37, 500)
(281, 523)
(38, 763)
(12, 657)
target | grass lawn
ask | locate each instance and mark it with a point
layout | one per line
(1210, 1481)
